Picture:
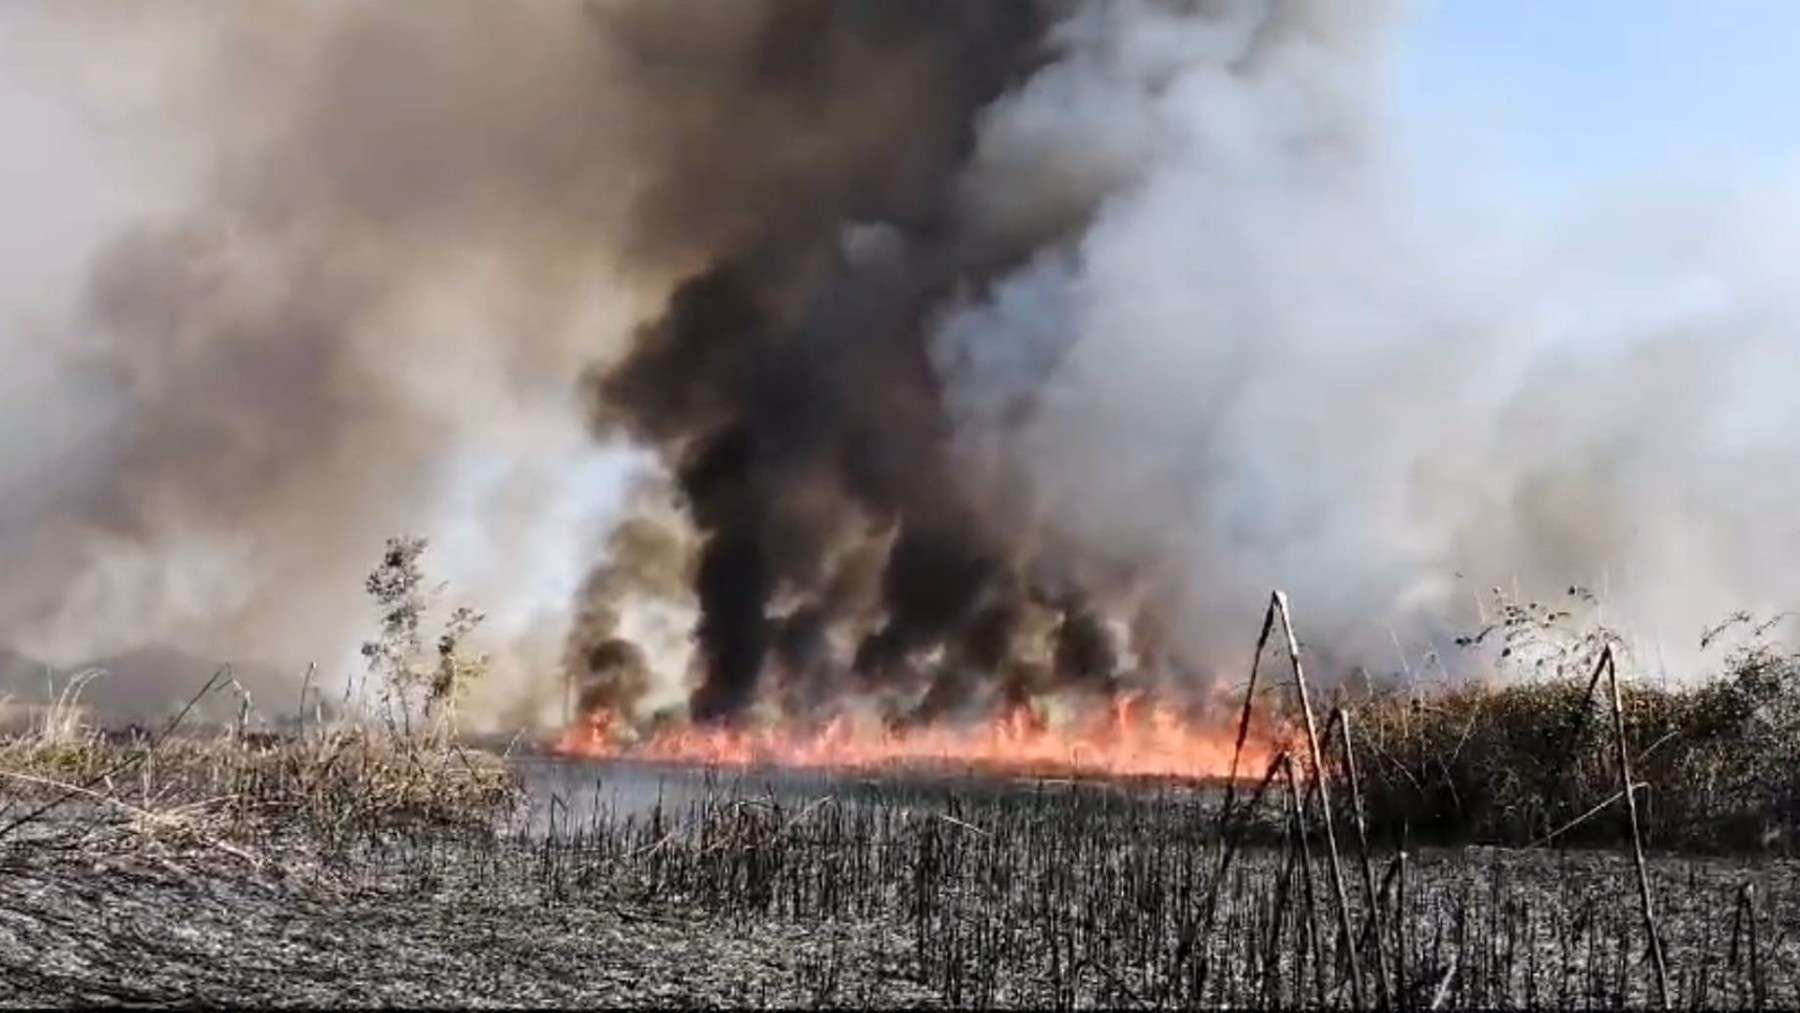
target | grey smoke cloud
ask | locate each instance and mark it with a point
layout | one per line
(388, 240)
(1272, 361)
(316, 263)
(282, 279)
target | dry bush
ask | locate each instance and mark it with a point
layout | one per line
(405, 768)
(1517, 761)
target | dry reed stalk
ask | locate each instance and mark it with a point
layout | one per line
(1298, 815)
(1269, 984)
(1231, 839)
(1637, 837)
(1368, 873)
(62, 721)
(123, 766)
(1243, 731)
(1279, 603)
(1382, 897)
(1583, 818)
(1326, 741)
(1441, 994)
(1577, 726)
(1227, 847)
(1743, 928)
(1400, 923)
(306, 687)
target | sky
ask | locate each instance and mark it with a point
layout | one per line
(1571, 93)
(1557, 101)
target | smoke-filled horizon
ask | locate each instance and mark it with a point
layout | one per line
(955, 351)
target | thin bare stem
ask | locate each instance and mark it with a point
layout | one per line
(1298, 815)
(1744, 929)
(1583, 818)
(1243, 731)
(1442, 993)
(1229, 844)
(1362, 841)
(1637, 837)
(1578, 722)
(1400, 923)
(1318, 765)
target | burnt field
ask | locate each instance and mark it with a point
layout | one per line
(1647, 863)
(632, 884)
(957, 890)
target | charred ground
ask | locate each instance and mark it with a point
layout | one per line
(620, 885)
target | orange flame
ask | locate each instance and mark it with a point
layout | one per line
(1131, 738)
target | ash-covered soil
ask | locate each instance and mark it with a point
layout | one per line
(205, 927)
(90, 913)
(626, 886)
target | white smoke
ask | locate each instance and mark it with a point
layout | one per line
(281, 281)
(1279, 358)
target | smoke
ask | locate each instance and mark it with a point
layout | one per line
(328, 270)
(1277, 359)
(967, 350)
(788, 380)
(367, 254)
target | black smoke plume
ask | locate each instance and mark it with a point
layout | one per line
(789, 380)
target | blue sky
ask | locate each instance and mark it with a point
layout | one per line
(1574, 92)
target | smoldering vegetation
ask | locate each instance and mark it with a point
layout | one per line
(621, 885)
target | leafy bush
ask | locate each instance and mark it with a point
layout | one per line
(416, 686)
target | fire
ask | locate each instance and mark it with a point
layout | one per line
(1131, 738)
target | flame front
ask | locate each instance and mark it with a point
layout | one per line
(1130, 738)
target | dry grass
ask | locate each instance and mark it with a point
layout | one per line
(330, 778)
(401, 767)
(1518, 764)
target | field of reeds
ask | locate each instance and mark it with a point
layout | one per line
(1542, 757)
(1575, 840)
